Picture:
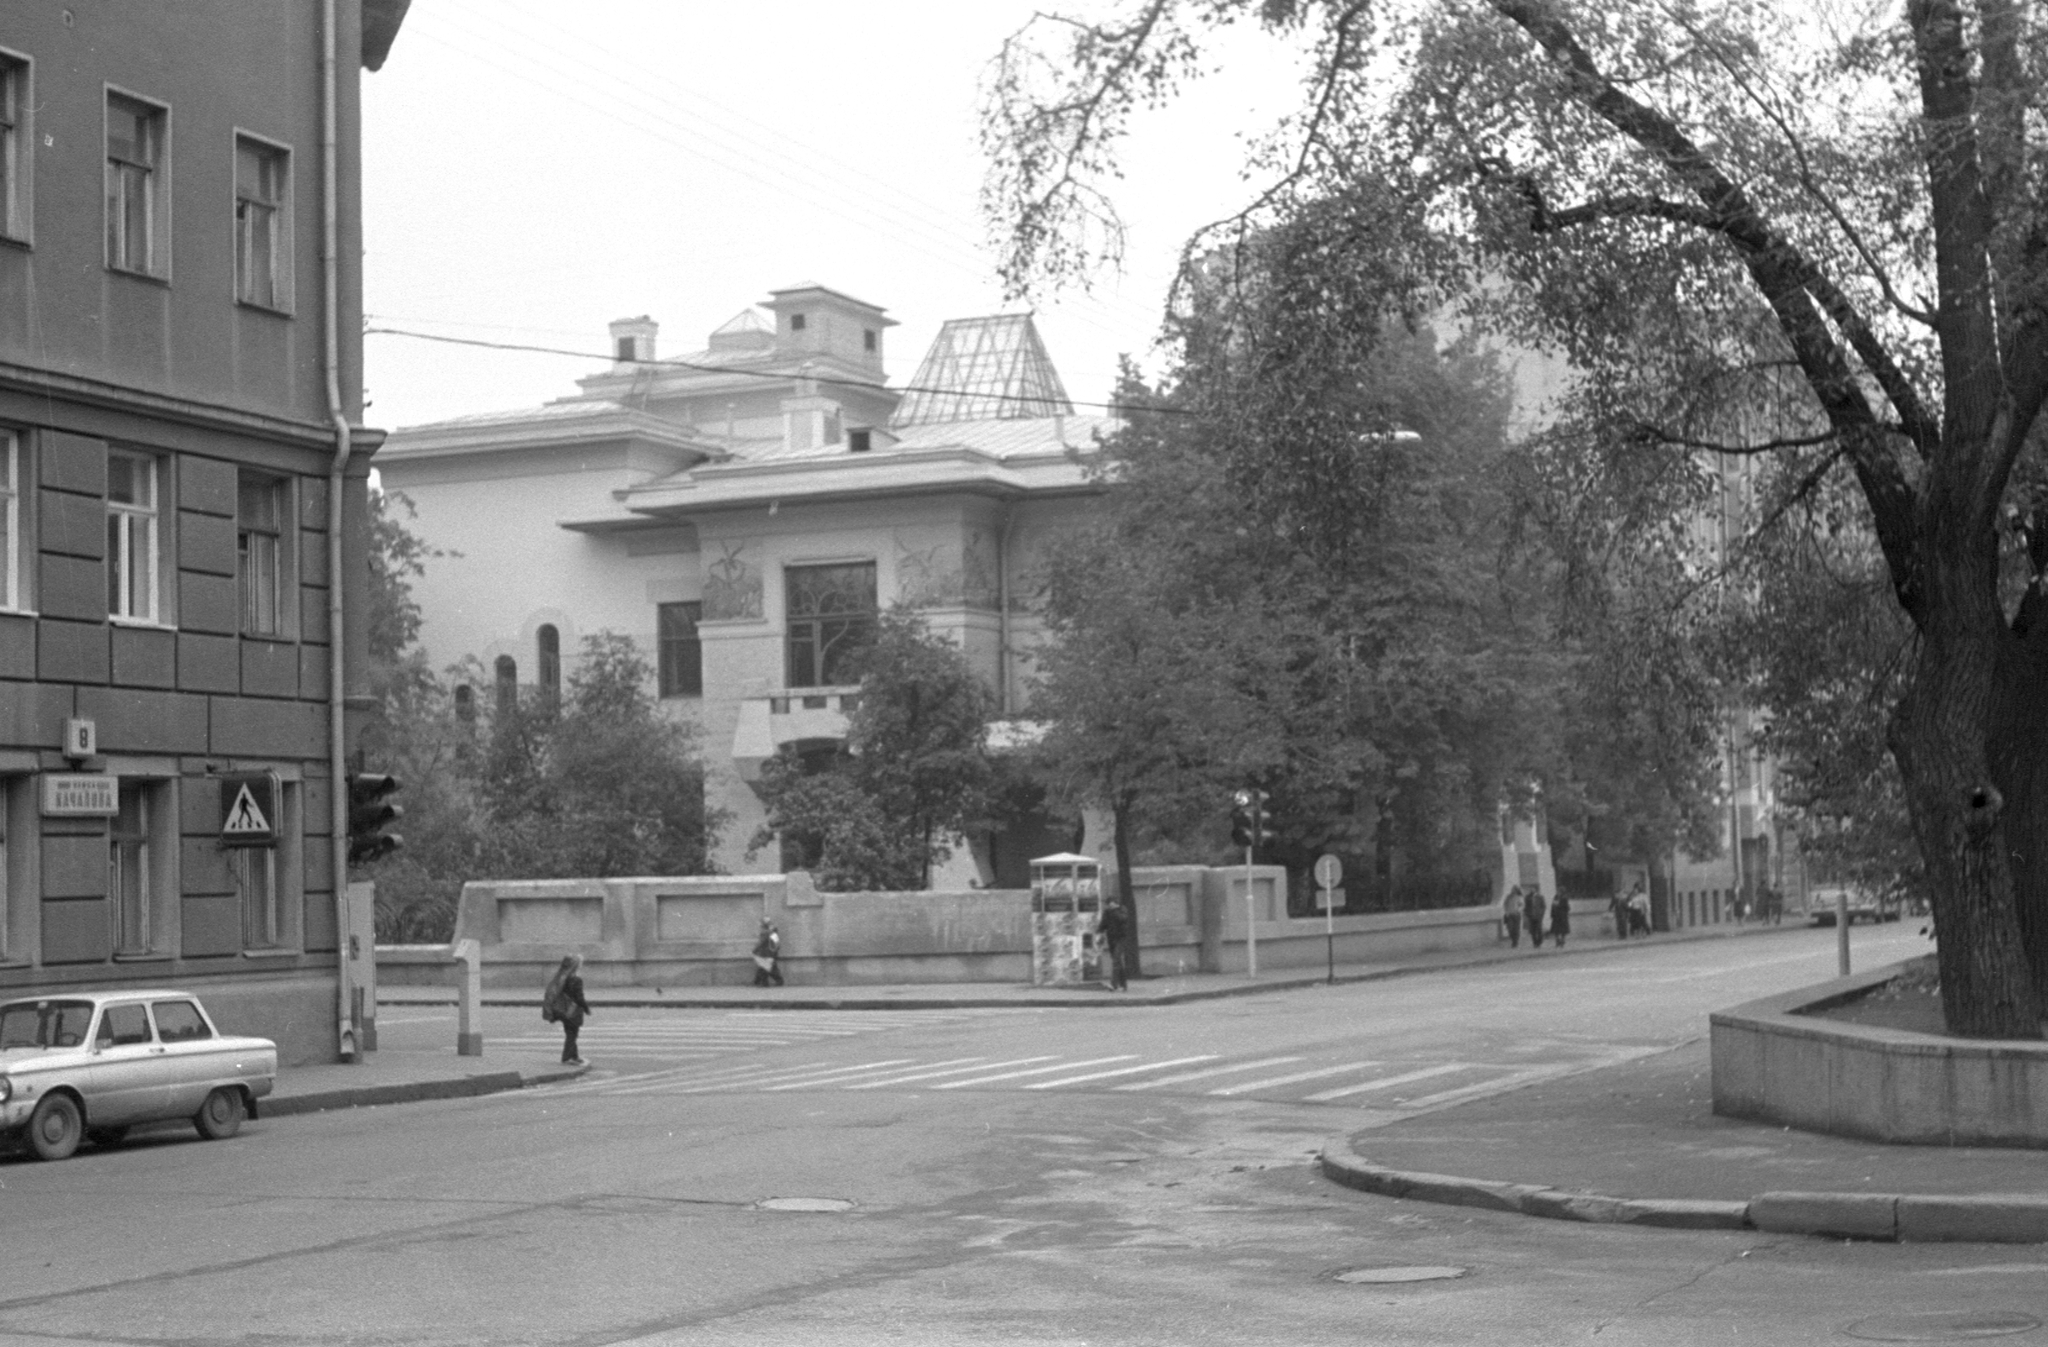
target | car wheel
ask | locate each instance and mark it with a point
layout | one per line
(106, 1138)
(55, 1127)
(220, 1116)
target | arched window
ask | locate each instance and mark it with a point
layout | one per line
(508, 682)
(549, 642)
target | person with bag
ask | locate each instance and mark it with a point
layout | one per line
(768, 956)
(1511, 916)
(563, 1003)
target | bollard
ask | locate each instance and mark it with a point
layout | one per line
(469, 1036)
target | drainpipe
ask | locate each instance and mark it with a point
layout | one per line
(1003, 612)
(337, 674)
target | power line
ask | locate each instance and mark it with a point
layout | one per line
(1114, 408)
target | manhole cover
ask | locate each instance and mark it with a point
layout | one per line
(1379, 1276)
(1959, 1326)
(804, 1204)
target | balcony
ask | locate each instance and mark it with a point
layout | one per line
(797, 716)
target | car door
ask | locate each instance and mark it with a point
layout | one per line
(194, 1061)
(124, 1076)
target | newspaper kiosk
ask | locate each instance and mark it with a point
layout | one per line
(1066, 907)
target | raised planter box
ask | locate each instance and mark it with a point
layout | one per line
(1774, 1064)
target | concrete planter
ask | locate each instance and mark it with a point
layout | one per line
(1773, 1063)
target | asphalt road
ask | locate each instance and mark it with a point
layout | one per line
(1093, 1176)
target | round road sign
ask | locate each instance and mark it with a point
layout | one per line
(1329, 871)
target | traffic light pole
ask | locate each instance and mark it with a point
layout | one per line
(1251, 920)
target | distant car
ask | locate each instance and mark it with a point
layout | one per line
(91, 1065)
(1863, 905)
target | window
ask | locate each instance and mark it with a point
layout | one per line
(179, 1022)
(796, 322)
(123, 1026)
(679, 651)
(259, 552)
(832, 615)
(15, 156)
(132, 536)
(137, 204)
(465, 703)
(12, 554)
(859, 441)
(262, 224)
(626, 350)
(867, 339)
(507, 674)
(255, 871)
(128, 876)
(548, 645)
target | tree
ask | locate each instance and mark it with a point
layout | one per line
(914, 776)
(1820, 224)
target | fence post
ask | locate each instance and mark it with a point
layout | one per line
(469, 1035)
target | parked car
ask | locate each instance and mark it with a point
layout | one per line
(1864, 905)
(92, 1065)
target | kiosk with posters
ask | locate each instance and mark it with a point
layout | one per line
(1066, 906)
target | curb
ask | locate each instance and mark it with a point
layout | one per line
(1025, 999)
(1904, 1218)
(412, 1091)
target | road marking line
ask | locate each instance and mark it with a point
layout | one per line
(1388, 1082)
(1035, 1071)
(1249, 1086)
(809, 1076)
(684, 1075)
(1186, 1076)
(956, 1071)
(1119, 1071)
(1499, 1085)
(966, 1062)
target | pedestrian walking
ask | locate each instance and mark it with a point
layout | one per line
(1618, 905)
(1532, 915)
(768, 956)
(1511, 915)
(563, 1002)
(1114, 929)
(1560, 919)
(1639, 909)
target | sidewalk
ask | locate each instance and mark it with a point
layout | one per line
(1639, 1144)
(406, 1075)
(1171, 989)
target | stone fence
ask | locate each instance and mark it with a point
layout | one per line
(699, 930)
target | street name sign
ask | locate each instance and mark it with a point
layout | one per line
(81, 795)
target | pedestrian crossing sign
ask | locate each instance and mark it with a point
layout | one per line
(248, 809)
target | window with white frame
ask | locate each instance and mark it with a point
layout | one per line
(12, 557)
(260, 553)
(15, 157)
(262, 224)
(132, 535)
(137, 204)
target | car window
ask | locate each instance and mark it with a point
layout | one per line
(179, 1021)
(123, 1025)
(44, 1024)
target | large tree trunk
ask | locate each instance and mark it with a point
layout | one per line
(2019, 768)
(1941, 737)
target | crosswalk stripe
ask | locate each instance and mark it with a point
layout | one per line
(1387, 1082)
(1119, 1071)
(1034, 1071)
(965, 1062)
(1249, 1086)
(1486, 1087)
(1187, 1076)
(686, 1075)
(812, 1075)
(933, 1075)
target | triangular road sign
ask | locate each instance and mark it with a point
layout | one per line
(245, 816)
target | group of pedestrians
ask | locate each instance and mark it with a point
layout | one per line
(1631, 912)
(1527, 909)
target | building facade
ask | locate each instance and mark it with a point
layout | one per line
(180, 410)
(745, 512)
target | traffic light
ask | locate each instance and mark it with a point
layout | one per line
(368, 813)
(1250, 824)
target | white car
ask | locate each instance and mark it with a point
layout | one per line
(92, 1065)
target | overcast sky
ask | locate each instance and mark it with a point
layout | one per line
(535, 170)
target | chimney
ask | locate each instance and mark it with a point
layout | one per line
(632, 342)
